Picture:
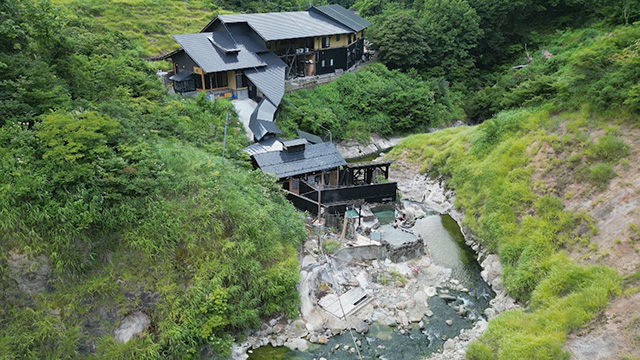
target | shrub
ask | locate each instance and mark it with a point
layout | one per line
(609, 148)
(600, 175)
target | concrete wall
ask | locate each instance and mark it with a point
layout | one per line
(369, 252)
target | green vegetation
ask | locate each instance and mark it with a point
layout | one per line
(488, 167)
(466, 40)
(556, 102)
(121, 189)
(374, 99)
(150, 23)
(596, 68)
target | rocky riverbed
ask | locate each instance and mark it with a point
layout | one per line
(423, 301)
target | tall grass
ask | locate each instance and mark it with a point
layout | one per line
(487, 165)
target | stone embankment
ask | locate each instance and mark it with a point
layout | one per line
(352, 149)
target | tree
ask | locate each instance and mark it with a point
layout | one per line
(452, 29)
(399, 39)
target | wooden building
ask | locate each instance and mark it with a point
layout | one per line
(317, 41)
(316, 176)
(251, 55)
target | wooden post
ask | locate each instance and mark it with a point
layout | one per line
(344, 226)
(320, 194)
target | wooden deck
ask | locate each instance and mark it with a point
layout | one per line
(352, 301)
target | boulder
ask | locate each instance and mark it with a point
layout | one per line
(132, 325)
(297, 329)
(31, 275)
(449, 345)
(430, 291)
(297, 344)
(360, 326)
(390, 321)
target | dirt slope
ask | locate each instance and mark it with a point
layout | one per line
(615, 334)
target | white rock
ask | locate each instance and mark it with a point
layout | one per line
(132, 325)
(390, 321)
(450, 344)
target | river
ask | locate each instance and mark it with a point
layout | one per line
(459, 303)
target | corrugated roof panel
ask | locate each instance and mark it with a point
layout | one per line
(293, 142)
(266, 145)
(181, 76)
(261, 121)
(343, 16)
(212, 59)
(243, 34)
(315, 157)
(269, 79)
(314, 139)
(288, 25)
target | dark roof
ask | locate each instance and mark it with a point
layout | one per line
(261, 122)
(293, 142)
(309, 137)
(181, 76)
(212, 58)
(269, 79)
(264, 145)
(287, 25)
(244, 35)
(343, 16)
(314, 157)
(262, 128)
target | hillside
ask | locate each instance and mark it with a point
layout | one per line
(150, 23)
(117, 209)
(552, 188)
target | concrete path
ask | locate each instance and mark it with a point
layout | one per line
(244, 108)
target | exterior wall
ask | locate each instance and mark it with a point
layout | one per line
(339, 57)
(280, 46)
(231, 79)
(182, 62)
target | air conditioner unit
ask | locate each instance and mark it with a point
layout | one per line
(300, 51)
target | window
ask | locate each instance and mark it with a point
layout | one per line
(326, 42)
(338, 37)
(216, 80)
(222, 80)
(322, 63)
(331, 62)
(349, 38)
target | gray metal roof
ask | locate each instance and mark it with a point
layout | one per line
(343, 16)
(314, 139)
(244, 35)
(263, 146)
(269, 79)
(262, 128)
(293, 142)
(314, 157)
(181, 76)
(213, 59)
(261, 122)
(288, 25)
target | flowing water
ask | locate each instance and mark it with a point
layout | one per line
(445, 241)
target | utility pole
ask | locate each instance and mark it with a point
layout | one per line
(224, 138)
